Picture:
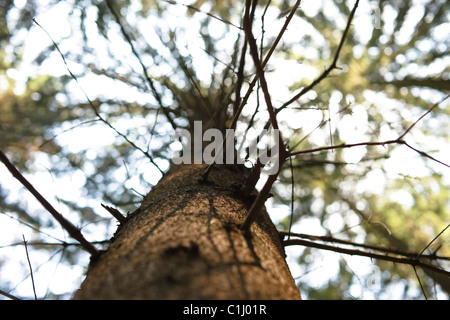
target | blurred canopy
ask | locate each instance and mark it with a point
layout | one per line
(149, 67)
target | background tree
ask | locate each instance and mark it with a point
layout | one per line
(365, 166)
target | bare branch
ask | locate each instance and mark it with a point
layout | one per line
(429, 110)
(200, 11)
(259, 69)
(330, 68)
(369, 143)
(410, 261)
(29, 265)
(73, 231)
(264, 63)
(343, 146)
(429, 244)
(420, 282)
(425, 154)
(144, 69)
(239, 82)
(291, 219)
(382, 249)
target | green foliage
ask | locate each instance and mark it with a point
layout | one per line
(150, 66)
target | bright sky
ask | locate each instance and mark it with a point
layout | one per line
(60, 277)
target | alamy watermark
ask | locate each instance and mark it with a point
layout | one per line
(212, 146)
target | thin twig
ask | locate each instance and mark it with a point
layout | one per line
(259, 68)
(51, 244)
(330, 68)
(429, 244)
(67, 130)
(429, 110)
(73, 231)
(420, 282)
(409, 261)
(264, 63)
(425, 154)
(200, 11)
(385, 250)
(368, 143)
(91, 104)
(344, 145)
(292, 196)
(28, 225)
(29, 265)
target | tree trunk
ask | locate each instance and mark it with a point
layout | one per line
(184, 242)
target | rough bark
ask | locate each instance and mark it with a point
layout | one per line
(185, 243)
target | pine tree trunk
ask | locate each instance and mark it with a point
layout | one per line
(185, 243)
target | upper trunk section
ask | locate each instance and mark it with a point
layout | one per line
(185, 243)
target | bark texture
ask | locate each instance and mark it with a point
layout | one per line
(185, 243)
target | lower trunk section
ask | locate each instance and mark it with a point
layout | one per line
(184, 242)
